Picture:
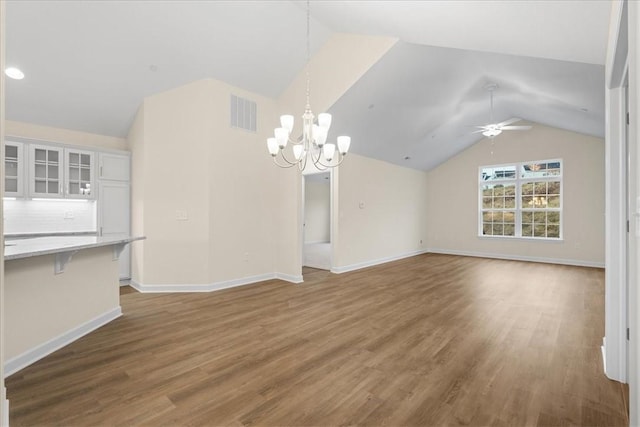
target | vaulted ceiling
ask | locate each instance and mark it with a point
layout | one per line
(89, 64)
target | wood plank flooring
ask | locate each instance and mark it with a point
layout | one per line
(430, 340)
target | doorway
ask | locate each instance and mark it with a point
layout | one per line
(316, 251)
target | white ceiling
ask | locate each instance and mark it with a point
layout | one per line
(89, 64)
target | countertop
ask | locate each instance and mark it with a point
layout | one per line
(36, 246)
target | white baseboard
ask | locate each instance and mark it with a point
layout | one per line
(603, 348)
(215, 286)
(5, 410)
(511, 257)
(371, 263)
(25, 359)
(289, 278)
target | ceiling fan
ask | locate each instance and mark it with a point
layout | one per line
(494, 129)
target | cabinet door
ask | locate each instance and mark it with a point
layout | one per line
(45, 175)
(115, 167)
(79, 174)
(115, 217)
(13, 169)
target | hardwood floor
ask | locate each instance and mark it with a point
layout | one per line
(429, 340)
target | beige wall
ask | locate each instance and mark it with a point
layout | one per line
(187, 158)
(42, 305)
(317, 209)
(382, 212)
(64, 136)
(175, 178)
(453, 197)
(135, 140)
(244, 191)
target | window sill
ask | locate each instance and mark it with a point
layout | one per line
(526, 239)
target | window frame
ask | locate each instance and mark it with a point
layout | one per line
(519, 181)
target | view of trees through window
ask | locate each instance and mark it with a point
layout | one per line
(521, 200)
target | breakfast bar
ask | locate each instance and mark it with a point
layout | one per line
(57, 289)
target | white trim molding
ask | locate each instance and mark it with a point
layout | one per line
(511, 257)
(5, 409)
(25, 359)
(617, 272)
(365, 264)
(211, 287)
(289, 277)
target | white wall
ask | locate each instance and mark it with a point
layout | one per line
(453, 197)
(381, 214)
(49, 216)
(317, 210)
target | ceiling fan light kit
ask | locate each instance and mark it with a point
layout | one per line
(494, 129)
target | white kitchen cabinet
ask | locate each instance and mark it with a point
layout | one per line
(114, 210)
(46, 171)
(114, 217)
(79, 167)
(115, 167)
(13, 169)
(57, 172)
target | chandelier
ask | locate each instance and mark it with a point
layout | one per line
(312, 145)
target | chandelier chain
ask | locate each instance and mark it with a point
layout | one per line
(308, 54)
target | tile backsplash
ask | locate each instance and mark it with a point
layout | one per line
(49, 216)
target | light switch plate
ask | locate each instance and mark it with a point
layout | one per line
(181, 215)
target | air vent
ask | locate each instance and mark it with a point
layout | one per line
(243, 113)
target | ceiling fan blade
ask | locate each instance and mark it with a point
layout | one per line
(515, 127)
(508, 122)
(478, 131)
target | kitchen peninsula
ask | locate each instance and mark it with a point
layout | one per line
(57, 289)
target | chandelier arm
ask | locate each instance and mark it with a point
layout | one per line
(275, 160)
(341, 159)
(302, 164)
(287, 160)
(316, 160)
(320, 164)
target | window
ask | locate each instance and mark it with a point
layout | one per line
(521, 200)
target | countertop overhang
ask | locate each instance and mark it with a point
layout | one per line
(36, 246)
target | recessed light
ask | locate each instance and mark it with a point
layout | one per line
(370, 106)
(153, 68)
(407, 158)
(14, 73)
(584, 110)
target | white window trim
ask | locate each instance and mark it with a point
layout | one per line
(518, 180)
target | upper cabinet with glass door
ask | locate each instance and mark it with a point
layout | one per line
(45, 173)
(57, 172)
(79, 174)
(13, 169)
